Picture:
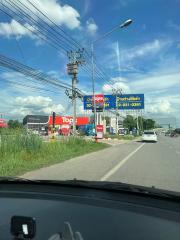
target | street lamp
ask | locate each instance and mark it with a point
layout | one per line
(124, 24)
(117, 92)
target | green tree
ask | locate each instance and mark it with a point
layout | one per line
(14, 124)
(129, 122)
(107, 120)
(149, 124)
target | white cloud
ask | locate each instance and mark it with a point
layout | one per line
(144, 49)
(60, 14)
(174, 26)
(15, 29)
(36, 105)
(162, 106)
(91, 26)
(116, 83)
(34, 101)
(154, 82)
(123, 59)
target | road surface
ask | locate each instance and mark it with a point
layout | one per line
(147, 164)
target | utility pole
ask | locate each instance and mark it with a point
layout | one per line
(75, 59)
(117, 92)
(142, 128)
(137, 123)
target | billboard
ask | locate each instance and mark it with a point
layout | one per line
(124, 102)
(130, 101)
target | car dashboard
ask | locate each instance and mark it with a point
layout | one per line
(92, 214)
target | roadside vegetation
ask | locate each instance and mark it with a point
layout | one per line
(21, 152)
(120, 137)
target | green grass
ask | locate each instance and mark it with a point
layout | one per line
(21, 152)
(125, 137)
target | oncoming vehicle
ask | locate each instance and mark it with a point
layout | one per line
(149, 136)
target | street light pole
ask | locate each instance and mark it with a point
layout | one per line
(93, 87)
(117, 92)
(124, 24)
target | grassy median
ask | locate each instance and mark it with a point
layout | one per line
(21, 152)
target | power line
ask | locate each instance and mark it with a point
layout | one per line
(32, 73)
(37, 24)
(54, 41)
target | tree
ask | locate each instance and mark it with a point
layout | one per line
(129, 122)
(14, 124)
(149, 124)
(144, 124)
(107, 120)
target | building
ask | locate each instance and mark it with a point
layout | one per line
(36, 122)
(44, 124)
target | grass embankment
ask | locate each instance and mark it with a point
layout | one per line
(21, 152)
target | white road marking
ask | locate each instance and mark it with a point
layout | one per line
(120, 164)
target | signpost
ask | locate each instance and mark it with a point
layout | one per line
(99, 102)
(99, 131)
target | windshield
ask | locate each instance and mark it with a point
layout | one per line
(90, 90)
(149, 132)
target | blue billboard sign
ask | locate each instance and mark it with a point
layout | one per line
(130, 101)
(124, 102)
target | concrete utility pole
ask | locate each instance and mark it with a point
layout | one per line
(117, 92)
(75, 59)
(137, 117)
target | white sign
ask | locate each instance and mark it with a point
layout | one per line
(100, 135)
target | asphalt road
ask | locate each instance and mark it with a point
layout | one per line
(147, 164)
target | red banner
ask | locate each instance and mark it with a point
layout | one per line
(60, 120)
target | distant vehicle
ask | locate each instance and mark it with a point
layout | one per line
(173, 134)
(149, 136)
(168, 133)
(123, 131)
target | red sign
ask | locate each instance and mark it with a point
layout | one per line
(99, 98)
(60, 120)
(2, 123)
(99, 128)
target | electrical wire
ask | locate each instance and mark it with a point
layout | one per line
(99, 73)
(14, 65)
(15, 5)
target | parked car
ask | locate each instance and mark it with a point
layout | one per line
(173, 134)
(149, 136)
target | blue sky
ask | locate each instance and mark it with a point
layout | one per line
(143, 58)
